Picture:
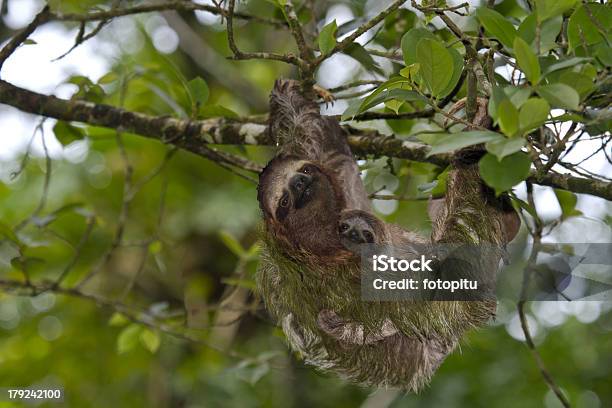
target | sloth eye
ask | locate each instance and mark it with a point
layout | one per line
(284, 201)
(306, 169)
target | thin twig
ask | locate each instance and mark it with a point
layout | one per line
(91, 221)
(392, 55)
(47, 180)
(342, 45)
(239, 55)
(125, 201)
(531, 261)
(354, 84)
(82, 37)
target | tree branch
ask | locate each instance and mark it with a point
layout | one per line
(177, 5)
(194, 136)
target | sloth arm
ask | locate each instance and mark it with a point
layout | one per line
(298, 127)
(352, 332)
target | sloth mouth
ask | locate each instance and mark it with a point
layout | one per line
(304, 197)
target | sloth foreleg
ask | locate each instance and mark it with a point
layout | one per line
(352, 332)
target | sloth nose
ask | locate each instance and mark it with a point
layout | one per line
(299, 182)
(354, 235)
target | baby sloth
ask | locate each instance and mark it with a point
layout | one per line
(357, 227)
(317, 215)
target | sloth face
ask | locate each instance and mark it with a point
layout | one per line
(301, 203)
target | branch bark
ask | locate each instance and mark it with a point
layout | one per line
(177, 5)
(194, 136)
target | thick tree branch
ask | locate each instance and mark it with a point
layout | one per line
(568, 182)
(194, 136)
(177, 5)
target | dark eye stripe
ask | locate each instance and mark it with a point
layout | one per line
(281, 213)
(282, 209)
(284, 201)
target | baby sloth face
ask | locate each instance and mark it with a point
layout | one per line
(357, 227)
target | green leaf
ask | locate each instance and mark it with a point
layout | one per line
(581, 27)
(502, 175)
(108, 78)
(579, 82)
(527, 60)
(508, 117)
(66, 133)
(150, 340)
(524, 205)
(410, 71)
(213, 111)
(562, 64)
(26, 263)
(356, 51)
(546, 9)
(404, 95)
(410, 41)
(242, 283)
(118, 319)
(441, 182)
(8, 233)
(327, 38)
(518, 96)
(454, 141)
(232, 243)
(436, 65)
(394, 105)
(497, 96)
(29, 41)
(505, 147)
(497, 25)
(549, 30)
(155, 247)
(560, 96)
(253, 251)
(533, 114)
(391, 89)
(457, 69)
(567, 202)
(198, 89)
(8, 252)
(603, 52)
(128, 338)
(352, 109)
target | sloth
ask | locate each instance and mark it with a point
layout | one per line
(317, 216)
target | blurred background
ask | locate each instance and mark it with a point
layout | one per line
(189, 230)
